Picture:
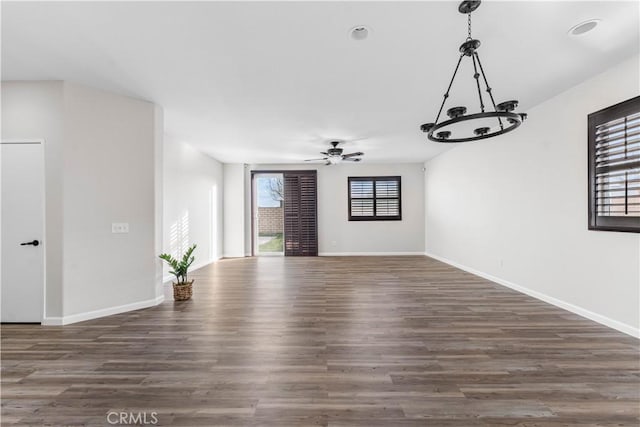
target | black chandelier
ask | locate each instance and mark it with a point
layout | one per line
(501, 120)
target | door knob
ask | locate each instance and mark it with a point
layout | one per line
(34, 243)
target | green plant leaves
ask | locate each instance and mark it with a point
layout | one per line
(180, 268)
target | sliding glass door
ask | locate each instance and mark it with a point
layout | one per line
(285, 213)
(268, 214)
(300, 213)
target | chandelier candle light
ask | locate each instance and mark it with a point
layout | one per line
(503, 117)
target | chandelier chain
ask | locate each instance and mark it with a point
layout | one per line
(446, 95)
(488, 88)
(469, 26)
(476, 76)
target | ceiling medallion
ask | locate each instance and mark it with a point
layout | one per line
(501, 120)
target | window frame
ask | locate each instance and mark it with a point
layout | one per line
(628, 224)
(374, 179)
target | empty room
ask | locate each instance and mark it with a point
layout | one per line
(320, 213)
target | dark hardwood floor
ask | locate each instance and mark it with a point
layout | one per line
(358, 341)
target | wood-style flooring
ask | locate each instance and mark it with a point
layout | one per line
(353, 341)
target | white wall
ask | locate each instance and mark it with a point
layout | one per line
(339, 236)
(35, 110)
(100, 162)
(158, 149)
(193, 189)
(234, 210)
(515, 208)
(108, 177)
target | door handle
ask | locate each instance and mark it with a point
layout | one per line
(34, 243)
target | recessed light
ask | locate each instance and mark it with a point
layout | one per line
(584, 27)
(360, 32)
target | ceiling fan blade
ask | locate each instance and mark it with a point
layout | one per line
(315, 160)
(352, 159)
(324, 154)
(346, 156)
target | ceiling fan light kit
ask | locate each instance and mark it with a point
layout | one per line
(334, 155)
(504, 114)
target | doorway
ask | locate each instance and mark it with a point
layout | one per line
(284, 213)
(22, 189)
(269, 214)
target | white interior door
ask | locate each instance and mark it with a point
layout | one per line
(22, 251)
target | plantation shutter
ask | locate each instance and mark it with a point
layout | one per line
(388, 197)
(300, 213)
(615, 167)
(362, 200)
(374, 198)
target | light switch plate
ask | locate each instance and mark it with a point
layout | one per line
(120, 227)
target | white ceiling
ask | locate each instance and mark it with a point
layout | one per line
(267, 82)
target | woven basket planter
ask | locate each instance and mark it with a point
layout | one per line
(182, 292)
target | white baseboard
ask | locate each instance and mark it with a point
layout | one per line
(81, 317)
(234, 255)
(370, 253)
(52, 321)
(603, 320)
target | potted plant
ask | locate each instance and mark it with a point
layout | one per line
(183, 288)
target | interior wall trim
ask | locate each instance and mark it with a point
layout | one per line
(371, 254)
(603, 320)
(81, 317)
(235, 255)
(52, 321)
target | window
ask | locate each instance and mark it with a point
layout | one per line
(374, 198)
(614, 167)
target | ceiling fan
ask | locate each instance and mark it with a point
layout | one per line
(334, 155)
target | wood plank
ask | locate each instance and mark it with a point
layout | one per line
(328, 341)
